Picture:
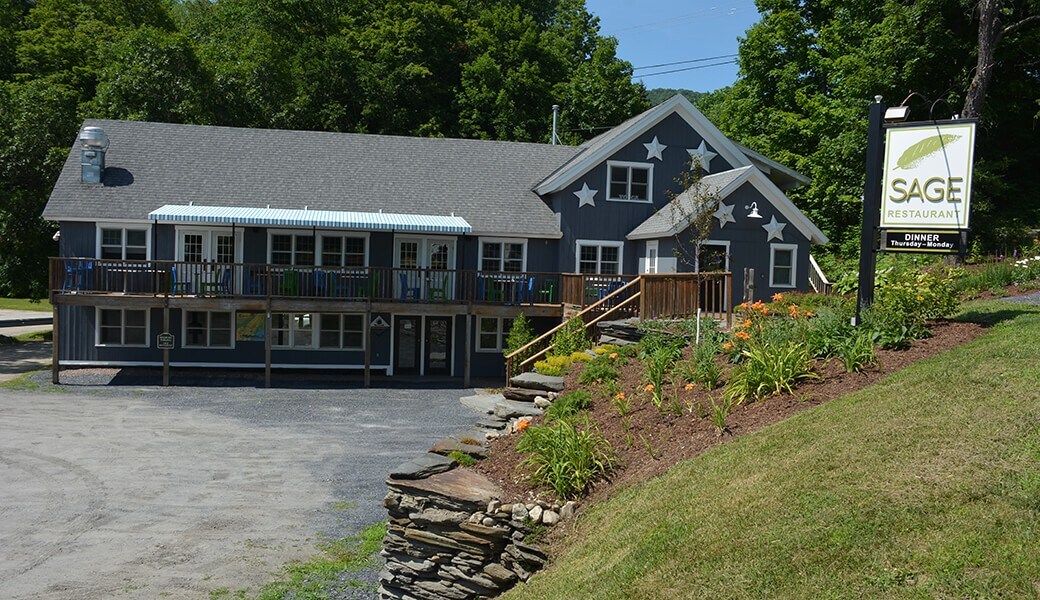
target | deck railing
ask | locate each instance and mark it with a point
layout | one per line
(245, 280)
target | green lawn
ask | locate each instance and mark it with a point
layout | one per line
(925, 485)
(24, 304)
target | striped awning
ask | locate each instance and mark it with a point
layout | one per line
(326, 219)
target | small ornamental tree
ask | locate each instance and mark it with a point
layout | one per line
(693, 216)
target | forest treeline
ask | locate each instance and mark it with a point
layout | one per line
(493, 69)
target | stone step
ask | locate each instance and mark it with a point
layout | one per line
(606, 339)
(508, 409)
(522, 394)
(492, 422)
(536, 381)
(449, 445)
(422, 466)
(483, 403)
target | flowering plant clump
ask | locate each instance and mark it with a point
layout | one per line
(764, 321)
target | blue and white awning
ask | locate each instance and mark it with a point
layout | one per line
(326, 219)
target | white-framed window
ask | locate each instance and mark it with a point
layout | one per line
(341, 332)
(503, 254)
(343, 250)
(629, 181)
(598, 257)
(205, 329)
(492, 333)
(291, 248)
(308, 331)
(121, 327)
(783, 265)
(124, 242)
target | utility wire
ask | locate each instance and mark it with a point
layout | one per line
(684, 62)
(728, 62)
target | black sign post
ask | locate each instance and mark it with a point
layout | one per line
(871, 208)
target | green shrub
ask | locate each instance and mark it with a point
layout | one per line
(553, 365)
(520, 334)
(827, 330)
(706, 370)
(598, 371)
(605, 349)
(659, 343)
(568, 405)
(462, 458)
(581, 357)
(857, 351)
(769, 370)
(911, 297)
(566, 457)
(571, 338)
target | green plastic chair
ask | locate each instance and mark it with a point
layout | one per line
(440, 293)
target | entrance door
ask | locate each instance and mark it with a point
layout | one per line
(438, 346)
(440, 258)
(406, 345)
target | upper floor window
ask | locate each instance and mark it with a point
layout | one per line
(502, 255)
(599, 258)
(342, 251)
(123, 243)
(292, 249)
(629, 182)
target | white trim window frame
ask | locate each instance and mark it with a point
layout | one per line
(599, 259)
(793, 267)
(341, 331)
(289, 330)
(225, 331)
(294, 251)
(343, 251)
(104, 328)
(631, 179)
(498, 330)
(127, 233)
(506, 261)
(652, 260)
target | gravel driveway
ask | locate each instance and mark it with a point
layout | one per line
(179, 492)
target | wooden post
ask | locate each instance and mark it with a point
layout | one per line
(729, 300)
(55, 336)
(368, 349)
(267, 347)
(468, 346)
(166, 351)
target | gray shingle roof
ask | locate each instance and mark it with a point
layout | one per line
(662, 223)
(151, 164)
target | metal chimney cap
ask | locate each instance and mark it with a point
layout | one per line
(93, 137)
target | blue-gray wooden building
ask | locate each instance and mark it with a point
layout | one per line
(294, 249)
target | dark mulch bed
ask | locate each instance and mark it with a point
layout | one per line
(673, 439)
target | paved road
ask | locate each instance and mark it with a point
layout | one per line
(177, 492)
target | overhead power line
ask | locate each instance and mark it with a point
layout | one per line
(685, 62)
(718, 64)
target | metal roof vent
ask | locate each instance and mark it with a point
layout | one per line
(93, 143)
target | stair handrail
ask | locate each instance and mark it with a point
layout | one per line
(547, 335)
(817, 278)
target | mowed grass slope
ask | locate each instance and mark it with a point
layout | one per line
(925, 485)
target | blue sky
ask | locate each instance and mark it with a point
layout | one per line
(668, 31)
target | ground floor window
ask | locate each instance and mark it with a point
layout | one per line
(492, 333)
(783, 260)
(599, 258)
(203, 329)
(122, 327)
(334, 331)
(344, 332)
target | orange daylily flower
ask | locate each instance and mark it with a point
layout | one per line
(522, 425)
(620, 396)
(688, 387)
(612, 355)
(743, 335)
(777, 297)
(649, 387)
(727, 346)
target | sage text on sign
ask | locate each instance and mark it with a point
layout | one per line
(945, 242)
(927, 176)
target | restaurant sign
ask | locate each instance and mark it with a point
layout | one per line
(927, 176)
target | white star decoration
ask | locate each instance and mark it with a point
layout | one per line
(586, 195)
(703, 155)
(654, 149)
(724, 214)
(774, 229)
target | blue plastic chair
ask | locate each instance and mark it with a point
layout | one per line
(408, 291)
(252, 283)
(177, 286)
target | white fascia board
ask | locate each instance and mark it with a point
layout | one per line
(722, 193)
(515, 235)
(677, 104)
(782, 203)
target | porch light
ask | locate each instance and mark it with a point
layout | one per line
(897, 114)
(754, 211)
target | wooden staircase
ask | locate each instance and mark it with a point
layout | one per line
(674, 295)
